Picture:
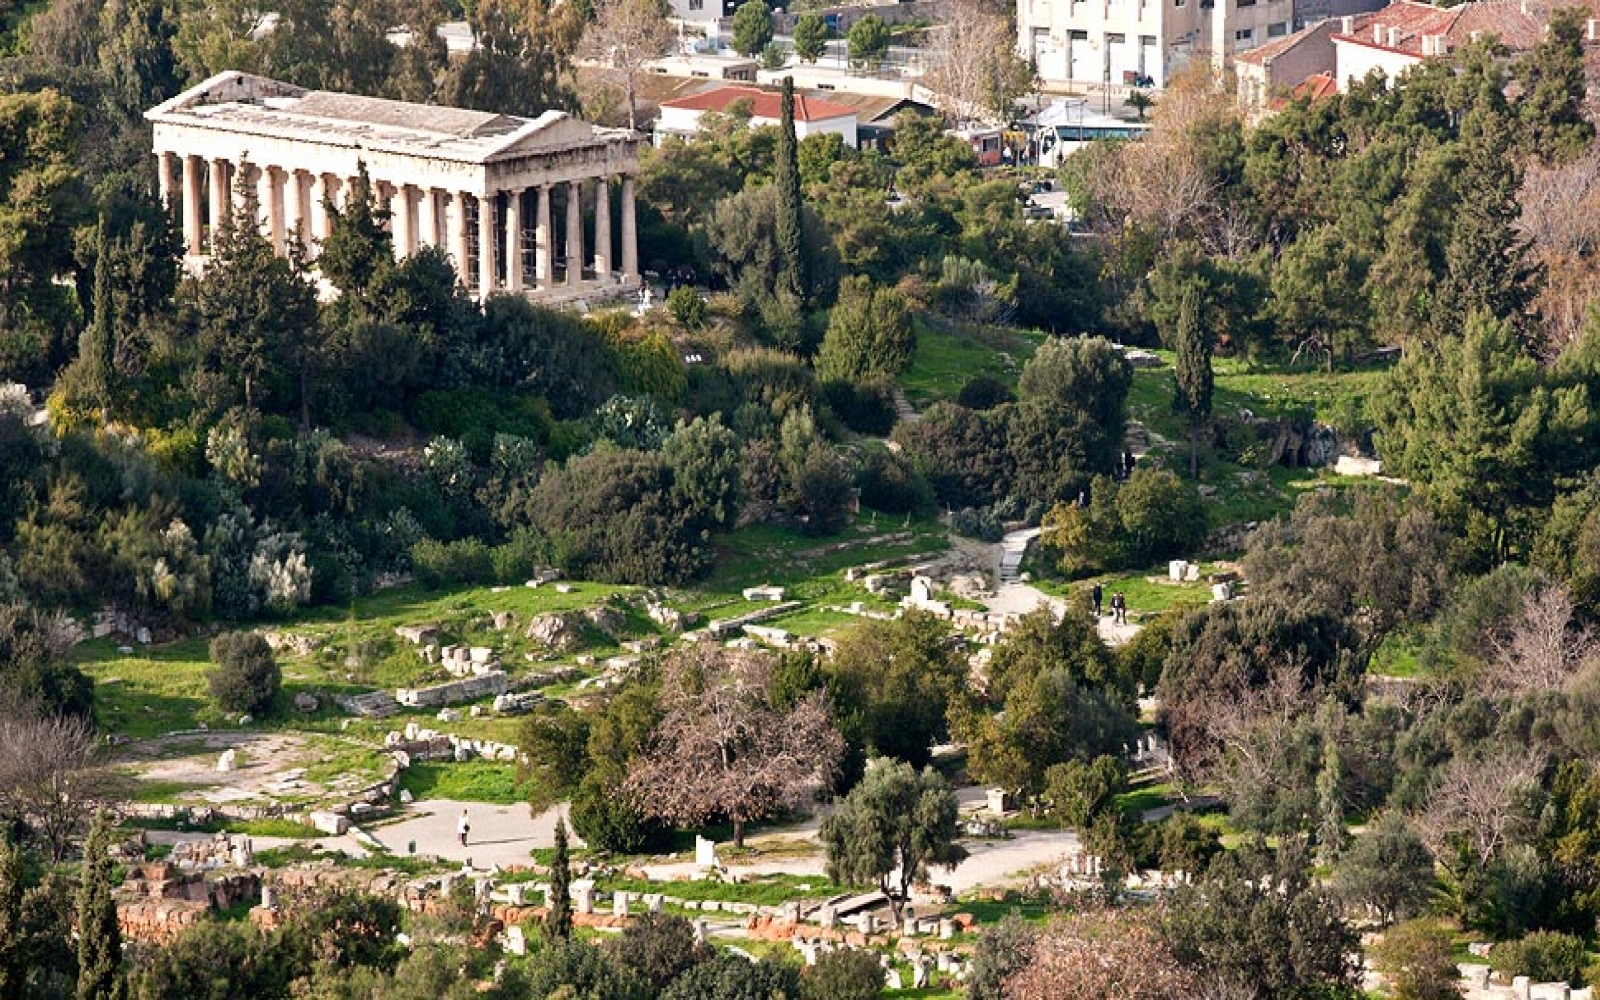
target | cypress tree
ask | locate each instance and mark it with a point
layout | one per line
(99, 937)
(558, 922)
(95, 342)
(1192, 369)
(792, 275)
(13, 957)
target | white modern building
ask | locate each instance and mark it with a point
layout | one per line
(1089, 45)
(812, 115)
(485, 187)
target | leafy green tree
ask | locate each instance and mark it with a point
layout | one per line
(752, 27)
(1049, 718)
(869, 334)
(1388, 868)
(1418, 959)
(554, 744)
(1542, 956)
(212, 960)
(1039, 643)
(1080, 791)
(659, 947)
(868, 40)
(1372, 556)
(848, 974)
(520, 64)
(358, 248)
(1318, 297)
(246, 677)
(924, 150)
(573, 967)
(895, 821)
(810, 36)
(1237, 930)
(99, 935)
(1083, 373)
(1003, 949)
(1159, 516)
(894, 682)
(731, 977)
(41, 201)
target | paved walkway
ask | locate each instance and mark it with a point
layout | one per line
(501, 835)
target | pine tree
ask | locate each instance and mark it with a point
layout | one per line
(99, 937)
(1192, 369)
(1330, 806)
(13, 959)
(558, 922)
(792, 277)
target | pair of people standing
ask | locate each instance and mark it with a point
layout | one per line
(1119, 605)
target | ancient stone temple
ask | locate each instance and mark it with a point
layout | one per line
(488, 188)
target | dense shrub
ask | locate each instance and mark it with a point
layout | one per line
(246, 677)
(1543, 956)
(977, 522)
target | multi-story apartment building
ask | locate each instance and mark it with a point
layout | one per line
(1084, 44)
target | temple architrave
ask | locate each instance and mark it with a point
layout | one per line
(483, 186)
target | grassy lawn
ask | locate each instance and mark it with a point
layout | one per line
(1148, 590)
(474, 781)
(945, 362)
(153, 691)
(1142, 799)
(770, 890)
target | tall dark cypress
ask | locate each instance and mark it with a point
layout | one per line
(792, 275)
(1192, 371)
(558, 922)
(99, 937)
(95, 343)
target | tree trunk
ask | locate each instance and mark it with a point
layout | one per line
(738, 833)
(1194, 451)
(633, 106)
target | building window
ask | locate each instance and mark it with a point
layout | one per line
(697, 4)
(1246, 35)
(1278, 30)
(1247, 3)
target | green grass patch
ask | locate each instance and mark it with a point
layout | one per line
(294, 854)
(1399, 655)
(473, 781)
(769, 890)
(287, 829)
(1142, 799)
(153, 691)
(946, 360)
(989, 911)
(1149, 591)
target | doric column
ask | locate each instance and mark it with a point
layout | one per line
(574, 232)
(485, 245)
(456, 238)
(427, 218)
(630, 234)
(294, 208)
(193, 213)
(544, 255)
(401, 222)
(514, 241)
(269, 198)
(219, 198)
(164, 178)
(602, 229)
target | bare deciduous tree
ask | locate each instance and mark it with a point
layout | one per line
(972, 66)
(721, 749)
(1102, 953)
(624, 35)
(1561, 219)
(1484, 801)
(51, 775)
(1541, 648)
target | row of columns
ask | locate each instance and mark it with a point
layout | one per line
(293, 202)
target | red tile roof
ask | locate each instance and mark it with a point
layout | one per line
(765, 104)
(1317, 86)
(1400, 27)
(1518, 24)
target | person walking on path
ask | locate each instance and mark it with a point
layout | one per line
(1119, 608)
(462, 826)
(1096, 595)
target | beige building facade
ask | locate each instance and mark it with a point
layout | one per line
(523, 206)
